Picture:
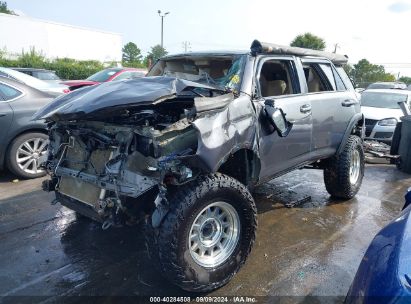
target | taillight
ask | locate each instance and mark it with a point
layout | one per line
(65, 91)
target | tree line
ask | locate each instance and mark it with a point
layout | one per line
(132, 56)
(362, 73)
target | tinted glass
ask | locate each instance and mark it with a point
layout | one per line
(338, 82)
(103, 75)
(382, 100)
(25, 72)
(345, 78)
(124, 75)
(225, 71)
(315, 83)
(387, 85)
(138, 74)
(276, 78)
(46, 75)
(326, 68)
(9, 92)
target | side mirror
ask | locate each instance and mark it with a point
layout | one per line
(277, 118)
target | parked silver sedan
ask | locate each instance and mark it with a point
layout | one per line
(48, 87)
(382, 112)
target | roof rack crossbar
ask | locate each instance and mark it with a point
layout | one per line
(258, 47)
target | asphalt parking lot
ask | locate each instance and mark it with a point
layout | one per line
(312, 249)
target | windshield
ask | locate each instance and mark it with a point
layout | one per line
(46, 75)
(224, 71)
(386, 85)
(382, 100)
(103, 75)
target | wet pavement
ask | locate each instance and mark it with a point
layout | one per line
(312, 249)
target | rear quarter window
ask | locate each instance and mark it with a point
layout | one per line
(347, 81)
(9, 93)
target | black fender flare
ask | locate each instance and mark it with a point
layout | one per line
(357, 118)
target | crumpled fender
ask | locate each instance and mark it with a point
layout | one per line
(225, 131)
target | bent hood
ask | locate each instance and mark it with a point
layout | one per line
(381, 113)
(133, 92)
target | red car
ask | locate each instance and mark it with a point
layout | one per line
(111, 74)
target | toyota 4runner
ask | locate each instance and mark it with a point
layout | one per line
(186, 145)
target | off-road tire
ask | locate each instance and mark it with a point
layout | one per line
(12, 151)
(168, 244)
(337, 170)
(395, 143)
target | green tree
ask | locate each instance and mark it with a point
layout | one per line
(405, 79)
(309, 41)
(156, 53)
(131, 54)
(365, 72)
(4, 9)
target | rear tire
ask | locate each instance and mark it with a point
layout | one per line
(343, 173)
(25, 151)
(207, 234)
(395, 143)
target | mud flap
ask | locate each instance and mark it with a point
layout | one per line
(160, 212)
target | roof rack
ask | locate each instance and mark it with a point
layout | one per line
(258, 47)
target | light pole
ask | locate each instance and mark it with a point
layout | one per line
(162, 24)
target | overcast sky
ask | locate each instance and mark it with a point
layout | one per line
(378, 30)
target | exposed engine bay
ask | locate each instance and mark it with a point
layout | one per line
(108, 160)
(98, 163)
(118, 144)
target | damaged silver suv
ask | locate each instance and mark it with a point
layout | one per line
(184, 147)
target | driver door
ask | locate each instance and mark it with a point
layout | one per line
(278, 80)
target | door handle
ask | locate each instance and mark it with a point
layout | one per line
(349, 102)
(2, 114)
(305, 108)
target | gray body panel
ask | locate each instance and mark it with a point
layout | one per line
(320, 121)
(18, 114)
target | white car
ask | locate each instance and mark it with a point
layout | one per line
(382, 112)
(48, 87)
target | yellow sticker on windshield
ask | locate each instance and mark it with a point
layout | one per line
(235, 79)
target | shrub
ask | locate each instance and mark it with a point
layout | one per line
(65, 68)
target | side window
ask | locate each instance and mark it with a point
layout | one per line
(319, 77)
(328, 72)
(9, 93)
(338, 81)
(6, 75)
(345, 78)
(124, 75)
(277, 77)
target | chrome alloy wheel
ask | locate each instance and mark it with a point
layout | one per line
(355, 167)
(29, 153)
(214, 234)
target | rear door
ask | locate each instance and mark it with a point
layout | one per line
(278, 79)
(333, 105)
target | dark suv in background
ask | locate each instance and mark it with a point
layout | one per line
(187, 144)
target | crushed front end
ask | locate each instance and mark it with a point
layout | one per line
(101, 169)
(113, 161)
